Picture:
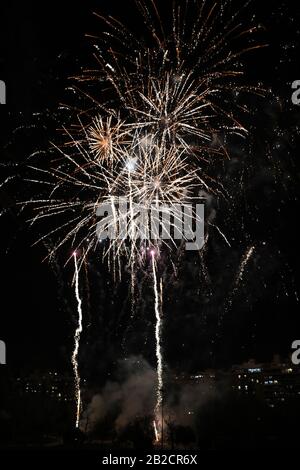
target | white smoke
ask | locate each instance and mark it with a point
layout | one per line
(134, 396)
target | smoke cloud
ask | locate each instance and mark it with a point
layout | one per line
(133, 396)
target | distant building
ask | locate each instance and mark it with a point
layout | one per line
(274, 383)
(50, 385)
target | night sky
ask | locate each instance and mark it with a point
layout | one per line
(41, 45)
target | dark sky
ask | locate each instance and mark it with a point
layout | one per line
(41, 45)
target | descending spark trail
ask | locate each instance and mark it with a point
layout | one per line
(77, 334)
(156, 433)
(158, 330)
(239, 277)
(244, 263)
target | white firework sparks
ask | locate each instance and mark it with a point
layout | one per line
(158, 421)
(150, 135)
(77, 335)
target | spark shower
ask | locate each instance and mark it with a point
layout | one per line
(152, 118)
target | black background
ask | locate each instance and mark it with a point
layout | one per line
(41, 45)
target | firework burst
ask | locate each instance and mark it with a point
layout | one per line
(155, 115)
(152, 136)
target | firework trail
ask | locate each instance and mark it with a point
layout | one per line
(158, 420)
(238, 279)
(77, 335)
(246, 258)
(156, 432)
